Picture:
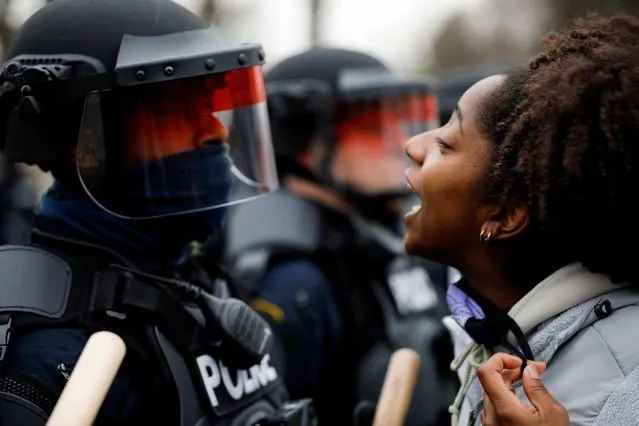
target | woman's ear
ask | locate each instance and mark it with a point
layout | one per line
(507, 222)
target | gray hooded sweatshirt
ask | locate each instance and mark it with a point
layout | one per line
(587, 330)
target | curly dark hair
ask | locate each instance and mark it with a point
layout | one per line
(566, 143)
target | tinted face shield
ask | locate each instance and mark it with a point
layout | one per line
(292, 99)
(200, 143)
(373, 121)
(300, 112)
(179, 126)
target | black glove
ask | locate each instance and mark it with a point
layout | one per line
(364, 413)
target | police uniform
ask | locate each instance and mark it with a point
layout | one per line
(337, 287)
(151, 124)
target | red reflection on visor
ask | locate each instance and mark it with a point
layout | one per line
(158, 120)
(420, 108)
(370, 137)
(372, 126)
(242, 88)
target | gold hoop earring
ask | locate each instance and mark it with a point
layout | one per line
(484, 236)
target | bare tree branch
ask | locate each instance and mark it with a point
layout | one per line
(509, 34)
(223, 16)
(563, 11)
(208, 10)
(316, 19)
(5, 28)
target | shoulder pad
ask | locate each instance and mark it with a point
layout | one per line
(280, 220)
(33, 281)
(277, 220)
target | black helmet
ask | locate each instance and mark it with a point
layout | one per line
(452, 85)
(138, 97)
(360, 111)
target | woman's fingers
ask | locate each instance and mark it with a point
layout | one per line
(501, 405)
(494, 383)
(547, 407)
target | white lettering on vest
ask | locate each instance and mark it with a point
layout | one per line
(412, 290)
(245, 382)
(211, 378)
(234, 389)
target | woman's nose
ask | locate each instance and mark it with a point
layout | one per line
(414, 149)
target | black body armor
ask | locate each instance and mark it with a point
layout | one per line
(188, 379)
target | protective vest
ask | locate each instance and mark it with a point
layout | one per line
(56, 283)
(387, 299)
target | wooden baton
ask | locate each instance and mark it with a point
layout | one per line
(90, 381)
(397, 391)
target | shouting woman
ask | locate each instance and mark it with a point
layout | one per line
(530, 190)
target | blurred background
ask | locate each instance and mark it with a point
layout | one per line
(439, 38)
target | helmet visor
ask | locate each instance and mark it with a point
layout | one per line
(177, 147)
(370, 137)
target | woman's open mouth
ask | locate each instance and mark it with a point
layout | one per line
(415, 208)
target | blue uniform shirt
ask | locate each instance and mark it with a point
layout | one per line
(298, 300)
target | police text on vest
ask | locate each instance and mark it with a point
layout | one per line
(244, 382)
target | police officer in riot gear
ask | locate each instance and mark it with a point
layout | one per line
(323, 258)
(151, 124)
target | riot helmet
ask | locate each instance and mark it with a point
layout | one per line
(354, 114)
(455, 82)
(151, 111)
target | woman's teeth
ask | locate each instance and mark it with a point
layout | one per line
(415, 209)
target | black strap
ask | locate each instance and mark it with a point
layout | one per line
(113, 296)
(120, 292)
(493, 330)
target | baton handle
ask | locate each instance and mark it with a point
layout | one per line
(397, 391)
(90, 381)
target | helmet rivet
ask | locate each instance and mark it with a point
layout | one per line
(12, 68)
(25, 90)
(168, 70)
(209, 64)
(241, 58)
(140, 75)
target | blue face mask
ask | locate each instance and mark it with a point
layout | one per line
(195, 179)
(462, 307)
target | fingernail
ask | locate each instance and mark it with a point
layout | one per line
(532, 372)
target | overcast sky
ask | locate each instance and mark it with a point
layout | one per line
(397, 31)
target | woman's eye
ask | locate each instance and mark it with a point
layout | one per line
(442, 144)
